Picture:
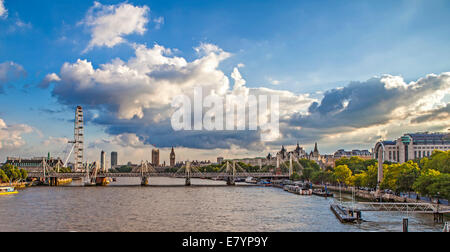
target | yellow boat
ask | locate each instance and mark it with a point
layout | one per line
(8, 190)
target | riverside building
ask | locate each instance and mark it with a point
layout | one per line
(412, 145)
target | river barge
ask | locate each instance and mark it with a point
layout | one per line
(297, 190)
(321, 193)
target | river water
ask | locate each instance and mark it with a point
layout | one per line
(124, 206)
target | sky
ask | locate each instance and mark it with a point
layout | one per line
(348, 73)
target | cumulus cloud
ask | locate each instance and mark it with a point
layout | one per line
(134, 97)
(3, 10)
(56, 142)
(49, 78)
(110, 23)
(127, 140)
(442, 113)
(11, 135)
(10, 71)
(381, 101)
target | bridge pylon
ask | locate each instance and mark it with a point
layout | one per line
(291, 167)
(231, 172)
(144, 172)
(278, 169)
(188, 174)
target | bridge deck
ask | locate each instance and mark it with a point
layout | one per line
(397, 207)
(159, 174)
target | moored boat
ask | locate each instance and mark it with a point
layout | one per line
(322, 193)
(8, 190)
(297, 190)
(264, 183)
(251, 180)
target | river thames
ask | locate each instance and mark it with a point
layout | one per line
(124, 206)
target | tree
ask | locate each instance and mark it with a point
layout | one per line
(12, 172)
(439, 160)
(3, 177)
(424, 181)
(358, 179)
(295, 176)
(23, 174)
(306, 163)
(440, 186)
(343, 174)
(307, 173)
(371, 177)
(356, 164)
(400, 177)
(407, 177)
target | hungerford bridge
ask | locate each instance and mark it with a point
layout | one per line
(96, 176)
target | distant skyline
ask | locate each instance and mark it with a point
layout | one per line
(348, 73)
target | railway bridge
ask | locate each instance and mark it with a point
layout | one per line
(94, 175)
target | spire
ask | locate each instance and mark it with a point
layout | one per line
(298, 147)
(173, 151)
(315, 148)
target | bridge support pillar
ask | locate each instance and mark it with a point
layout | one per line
(230, 181)
(405, 225)
(438, 218)
(188, 182)
(101, 181)
(53, 182)
(144, 181)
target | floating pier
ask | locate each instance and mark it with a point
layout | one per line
(345, 215)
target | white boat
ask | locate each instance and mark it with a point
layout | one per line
(250, 180)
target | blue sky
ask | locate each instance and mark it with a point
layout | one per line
(305, 47)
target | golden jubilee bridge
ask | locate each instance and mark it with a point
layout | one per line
(93, 174)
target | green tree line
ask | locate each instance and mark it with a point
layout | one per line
(426, 176)
(12, 174)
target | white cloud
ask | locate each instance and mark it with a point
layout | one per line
(159, 22)
(135, 96)
(381, 107)
(11, 135)
(149, 80)
(23, 25)
(10, 71)
(3, 10)
(110, 23)
(273, 81)
(127, 140)
(57, 142)
(49, 78)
